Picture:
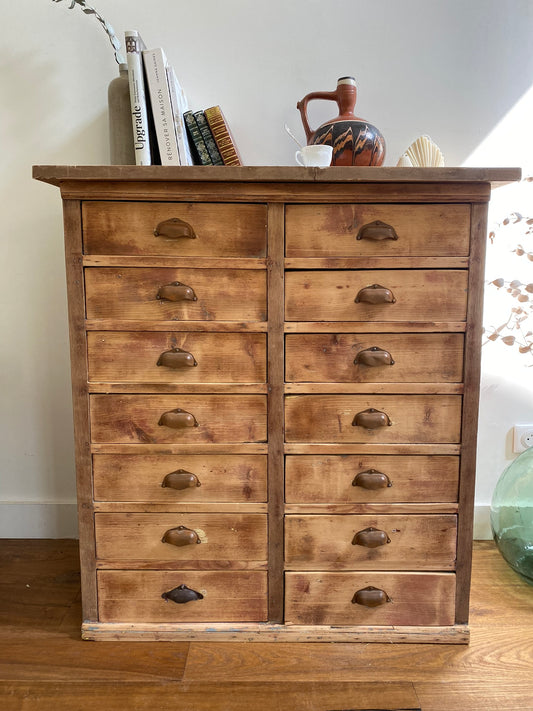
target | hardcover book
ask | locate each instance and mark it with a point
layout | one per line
(202, 156)
(179, 107)
(222, 135)
(210, 143)
(139, 110)
(155, 64)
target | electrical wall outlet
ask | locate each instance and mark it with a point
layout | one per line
(522, 437)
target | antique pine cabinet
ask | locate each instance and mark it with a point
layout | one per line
(275, 376)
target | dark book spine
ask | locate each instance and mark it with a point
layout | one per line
(210, 143)
(196, 139)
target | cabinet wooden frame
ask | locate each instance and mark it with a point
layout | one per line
(274, 188)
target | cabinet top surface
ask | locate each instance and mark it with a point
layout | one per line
(57, 174)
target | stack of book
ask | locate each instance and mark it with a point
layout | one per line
(165, 130)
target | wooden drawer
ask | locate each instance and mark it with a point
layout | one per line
(207, 478)
(348, 230)
(343, 542)
(188, 229)
(132, 294)
(173, 357)
(139, 537)
(337, 479)
(419, 295)
(136, 596)
(188, 419)
(333, 418)
(369, 358)
(337, 598)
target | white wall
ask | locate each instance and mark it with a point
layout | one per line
(452, 69)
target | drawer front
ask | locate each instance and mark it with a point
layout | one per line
(350, 230)
(198, 478)
(137, 596)
(174, 229)
(176, 294)
(172, 357)
(186, 419)
(360, 478)
(344, 599)
(185, 537)
(373, 418)
(374, 358)
(352, 295)
(344, 542)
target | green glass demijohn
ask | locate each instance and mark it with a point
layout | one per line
(511, 515)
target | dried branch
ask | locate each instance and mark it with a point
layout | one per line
(515, 331)
(88, 10)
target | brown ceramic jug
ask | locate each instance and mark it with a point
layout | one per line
(354, 140)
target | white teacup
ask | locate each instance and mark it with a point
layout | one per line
(318, 156)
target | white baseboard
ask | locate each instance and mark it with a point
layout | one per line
(38, 520)
(53, 520)
(482, 529)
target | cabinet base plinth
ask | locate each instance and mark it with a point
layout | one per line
(264, 632)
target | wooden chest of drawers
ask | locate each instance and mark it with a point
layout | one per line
(275, 377)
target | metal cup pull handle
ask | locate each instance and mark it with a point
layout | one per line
(371, 538)
(174, 228)
(176, 291)
(177, 419)
(377, 231)
(371, 419)
(373, 357)
(375, 294)
(180, 479)
(182, 594)
(177, 359)
(180, 536)
(370, 597)
(371, 480)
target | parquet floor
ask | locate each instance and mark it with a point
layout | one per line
(44, 665)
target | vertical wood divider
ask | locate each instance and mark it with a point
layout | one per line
(472, 374)
(276, 424)
(80, 403)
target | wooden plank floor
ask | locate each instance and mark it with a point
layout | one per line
(44, 665)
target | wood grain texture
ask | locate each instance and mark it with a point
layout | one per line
(220, 418)
(330, 479)
(414, 418)
(328, 598)
(59, 174)
(421, 295)
(365, 263)
(44, 663)
(420, 230)
(472, 375)
(80, 400)
(418, 358)
(220, 230)
(207, 696)
(222, 294)
(140, 477)
(325, 542)
(135, 538)
(226, 596)
(111, 260)
(276, 283)
(215, 358)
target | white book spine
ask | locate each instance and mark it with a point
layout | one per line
(156, 77)
(177, 101)
(139, 111)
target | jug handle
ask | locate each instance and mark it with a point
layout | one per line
(302, 107)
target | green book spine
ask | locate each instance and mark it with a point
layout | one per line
(210, 143)
(196, 139)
